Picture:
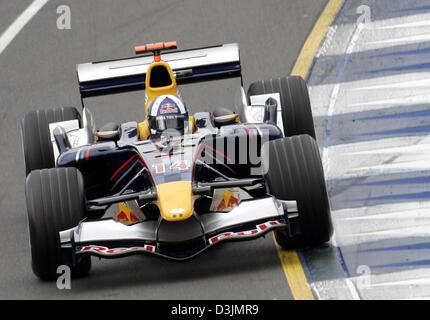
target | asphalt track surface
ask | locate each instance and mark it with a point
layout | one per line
(38, 71)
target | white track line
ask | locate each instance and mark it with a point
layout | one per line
(406, 25)
(411, 150)
(419, 231)
(403, 40)
(404, 215)
(406, 100)
(393, 167)
(350, 285)
(333, 99)
(335, 93)
(11, 32)
(422, 83)
(412, 282)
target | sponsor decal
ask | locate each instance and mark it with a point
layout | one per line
(168, 108)
(159, 168)
(229, 200)
(181, 165)
(126, 213)
(115, 251)
(105, 251)
(259, 229)
(178, 210)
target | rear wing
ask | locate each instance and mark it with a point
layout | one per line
(195, 65)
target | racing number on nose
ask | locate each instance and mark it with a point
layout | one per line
(177, 165)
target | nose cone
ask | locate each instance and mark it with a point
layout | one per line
(175, 200)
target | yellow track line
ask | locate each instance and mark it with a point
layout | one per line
(309, 49)
(290, 260)
(296, 277)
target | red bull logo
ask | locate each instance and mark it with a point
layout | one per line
(168, 108)
(228, 201)
(123, 217)
(126, 214)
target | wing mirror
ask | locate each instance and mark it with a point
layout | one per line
(89, 125)
(61, 138)
(270, 111)
(241, 105)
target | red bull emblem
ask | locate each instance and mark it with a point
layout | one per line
(122, 217)
(168, 108)
(228, 201)
(126, 214)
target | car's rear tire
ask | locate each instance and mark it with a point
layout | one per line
(295, 103)
(295, 172)
(38, 151)
(55, 202)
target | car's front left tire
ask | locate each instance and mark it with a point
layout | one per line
(295, 103)
(36, 140)
(294, 172)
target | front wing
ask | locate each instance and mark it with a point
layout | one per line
(177, 240)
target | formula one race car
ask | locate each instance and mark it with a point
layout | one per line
(177, 184)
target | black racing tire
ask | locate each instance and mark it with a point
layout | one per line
(55, 202)
(294, 171)
(36, 142)
(295, 103)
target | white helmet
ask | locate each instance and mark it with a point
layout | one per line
(167, 112)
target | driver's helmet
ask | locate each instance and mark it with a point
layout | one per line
(167, 112)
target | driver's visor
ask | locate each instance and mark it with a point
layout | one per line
(161, 123)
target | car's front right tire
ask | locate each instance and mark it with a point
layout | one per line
(55, 202)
